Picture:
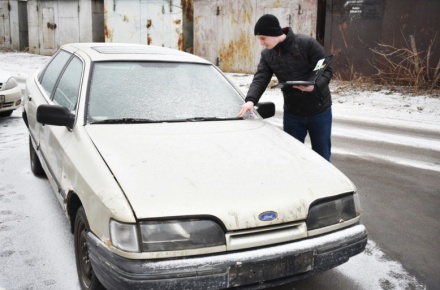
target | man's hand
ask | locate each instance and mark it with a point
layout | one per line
(247, 107)
(307, 89)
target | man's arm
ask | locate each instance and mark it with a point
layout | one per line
(260, 81)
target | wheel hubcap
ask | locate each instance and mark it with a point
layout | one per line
(83, 256)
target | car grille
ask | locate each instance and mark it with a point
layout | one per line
(264, 236)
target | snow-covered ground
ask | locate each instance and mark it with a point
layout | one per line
(370, 103)
(379, 105)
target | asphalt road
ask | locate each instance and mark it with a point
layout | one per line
(400, 209)
(397, 173)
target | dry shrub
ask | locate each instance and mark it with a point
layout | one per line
(407, 66)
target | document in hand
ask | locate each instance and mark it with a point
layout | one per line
(311, 80)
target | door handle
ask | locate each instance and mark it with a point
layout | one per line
(29, 97)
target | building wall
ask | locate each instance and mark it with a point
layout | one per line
(224, 29)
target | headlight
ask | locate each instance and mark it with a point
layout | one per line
(326, 212)
(10, 84)
(180, 235)
(124, 236)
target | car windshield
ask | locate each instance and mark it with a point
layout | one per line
(160, 91)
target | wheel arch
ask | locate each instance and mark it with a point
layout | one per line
(73, 204)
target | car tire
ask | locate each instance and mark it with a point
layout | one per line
(86, 276)
(36, 167)
(6, 113)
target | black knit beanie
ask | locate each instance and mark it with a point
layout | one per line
(268, 25)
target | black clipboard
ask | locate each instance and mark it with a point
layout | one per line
(316, 74)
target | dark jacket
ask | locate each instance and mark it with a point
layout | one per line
(293, 59)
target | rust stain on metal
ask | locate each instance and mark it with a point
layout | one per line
(237, 51)
(276, 4)
(108, 33)
(187, 8)
(149, 23)
(180, 42)
(125, 19)
(149, 39)
(177, 21)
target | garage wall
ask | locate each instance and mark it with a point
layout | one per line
(11, 27)
(55, 23)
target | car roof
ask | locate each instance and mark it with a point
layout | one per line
(99, 51)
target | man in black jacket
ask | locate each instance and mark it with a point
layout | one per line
(293, 57)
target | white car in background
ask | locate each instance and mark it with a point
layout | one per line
(10, 94)
(166, 188)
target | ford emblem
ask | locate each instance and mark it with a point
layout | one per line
(268, 216)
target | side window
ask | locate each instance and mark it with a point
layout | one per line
(53, 70)
(67, 91)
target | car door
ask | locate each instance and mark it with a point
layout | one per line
(39, 91)
(55, 141)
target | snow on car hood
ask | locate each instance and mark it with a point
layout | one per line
(233, 170)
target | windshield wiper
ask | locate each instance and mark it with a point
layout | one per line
(199, 119)
(140, 120)
(125, 121)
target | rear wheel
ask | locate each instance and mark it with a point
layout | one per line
(87, 278)
(36, 167)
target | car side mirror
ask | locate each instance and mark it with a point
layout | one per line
(55, 115)
(266, 109)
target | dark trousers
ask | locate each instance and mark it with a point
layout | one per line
(318, 126)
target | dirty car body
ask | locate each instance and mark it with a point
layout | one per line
(166, 188)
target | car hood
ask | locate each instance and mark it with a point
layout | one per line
(232, 170)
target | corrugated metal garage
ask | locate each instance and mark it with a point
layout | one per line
(13, 24)
(54, 23)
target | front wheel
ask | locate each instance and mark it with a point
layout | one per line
(87, 278)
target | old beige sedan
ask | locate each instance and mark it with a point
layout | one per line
(166, 188)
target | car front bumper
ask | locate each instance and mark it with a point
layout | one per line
(250, 269)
